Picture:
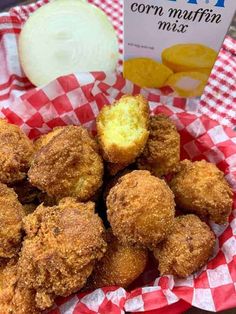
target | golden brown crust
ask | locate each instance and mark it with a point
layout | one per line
(162, 151)
(13, 298)
(69, 165)
(16, 152)
(11, 215)
(62, 244)
(141, 209)
(120, 265)
(134, 115)
(187, 248)
(113, 181)
(200, 188)
(46, 138)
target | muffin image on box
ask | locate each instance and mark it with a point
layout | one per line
(146, 72)
(188, 84)
(189, 58)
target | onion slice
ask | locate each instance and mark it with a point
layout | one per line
(67, 36)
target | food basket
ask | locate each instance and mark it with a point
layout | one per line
(205, 126)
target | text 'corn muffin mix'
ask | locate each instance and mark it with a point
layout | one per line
(174, 42)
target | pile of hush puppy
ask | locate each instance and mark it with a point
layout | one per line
(54, 193)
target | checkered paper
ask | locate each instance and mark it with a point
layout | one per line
(77, 99)
(219, 98)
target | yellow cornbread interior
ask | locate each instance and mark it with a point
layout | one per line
(188, 84)
(124, 123)
(146, 72)
(189, 57)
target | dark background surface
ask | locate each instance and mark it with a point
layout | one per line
(6, 4)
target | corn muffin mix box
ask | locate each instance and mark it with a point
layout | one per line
(174, 42)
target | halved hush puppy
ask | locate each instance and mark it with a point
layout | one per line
(123, 129)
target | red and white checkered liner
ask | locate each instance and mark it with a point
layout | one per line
(219, 98)
(77, 99)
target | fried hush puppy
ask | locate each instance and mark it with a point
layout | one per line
(187, 248)
(200, 188)
(123, 129)
(46, 138)
(13, 298)
(141, 209)
(16, 151)
(120, 266)
(68, 165)
(60, 249)
(113, 181)
(11, 215)
(162, 151)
